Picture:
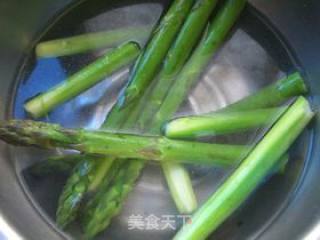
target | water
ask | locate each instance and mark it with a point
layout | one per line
(242, 66)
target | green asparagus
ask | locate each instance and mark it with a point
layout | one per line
(49, 136)
(148, 64)
(81, 81)
(219, 123)
(91, 41)
(85, 178)
(67, 211)
(257, 165)
(121, 185)
(271, 96)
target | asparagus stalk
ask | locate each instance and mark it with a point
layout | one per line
(148, 64)
(48, 136)
(91, 41)
(83, 80)
(271, 96)
(237, 188)
(219, 123)
(61, 163)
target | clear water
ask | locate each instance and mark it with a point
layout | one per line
(242, 66)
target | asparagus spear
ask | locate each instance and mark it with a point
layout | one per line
(83, 80)
(71, 202)
(156, 50)
(257, 165)
(215, 38)
(271, 96)
(48, 136)
(91, 41)
(219, 123)
(98, 214)
(97, 176)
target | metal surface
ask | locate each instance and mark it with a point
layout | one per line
(254, 56)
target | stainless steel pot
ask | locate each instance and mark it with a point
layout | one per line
(284, 36)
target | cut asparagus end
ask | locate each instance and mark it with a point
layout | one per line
(81, 81)
(180, 187)
(220, 123)
(36, 109)
(91, 41)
